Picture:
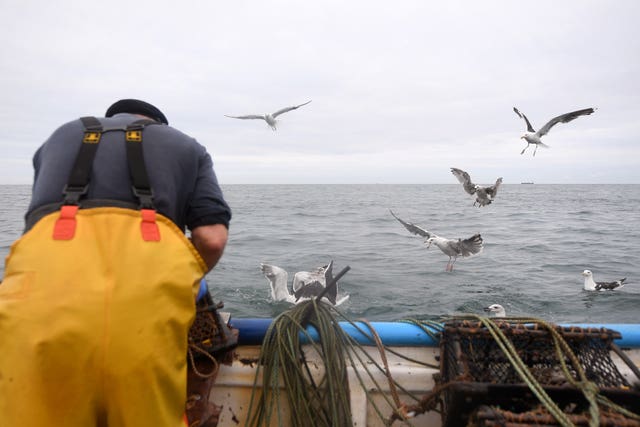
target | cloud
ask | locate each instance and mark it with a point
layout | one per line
(400, 91)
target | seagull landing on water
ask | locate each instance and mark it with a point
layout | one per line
(306, 285)
(591, 285)
(496, 310)
(452, 247)
(484, 195)
(533, 137)
(269, 118)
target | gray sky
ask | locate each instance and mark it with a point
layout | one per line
(401, 90)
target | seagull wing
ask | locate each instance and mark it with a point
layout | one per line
(284, 110)
(564, 118)
(412, 227)
(609, 286)
(277, 278)
(301, 279)
(464, 179)
(309, 290)
(471, 246)
(250, 116)
(493, 190)
(273, 271)
(332, 294)
(328, 273)
(522, 116)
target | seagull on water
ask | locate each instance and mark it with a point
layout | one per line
(496, 310)
(452, 247)
(484, 195)
(306, 284)
(591, 285)
(533, 137)
(269, 118)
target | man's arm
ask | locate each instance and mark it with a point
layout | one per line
(210, 241)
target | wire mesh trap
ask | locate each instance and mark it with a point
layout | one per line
(514, 366)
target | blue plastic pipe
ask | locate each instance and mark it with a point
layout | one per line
(252, 332)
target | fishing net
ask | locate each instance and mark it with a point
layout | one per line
(211, 342)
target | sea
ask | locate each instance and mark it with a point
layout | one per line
(538, 238)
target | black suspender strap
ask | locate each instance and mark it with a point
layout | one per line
(81, 172)
(137, 168)
(78, 182)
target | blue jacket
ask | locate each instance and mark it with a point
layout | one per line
(180, 171)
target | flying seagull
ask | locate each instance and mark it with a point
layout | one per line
(590, 285)
(452, 247)
(484, 195)
(496, 310)
(269, 118)
(533, 137)
(306, 285)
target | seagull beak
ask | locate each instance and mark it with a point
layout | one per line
(486, 309)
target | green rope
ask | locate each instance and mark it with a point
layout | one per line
(325, 403)
(523, 371)
(562, 349)
(283, 365)
(322, 399)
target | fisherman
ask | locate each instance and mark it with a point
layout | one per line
(99, 292)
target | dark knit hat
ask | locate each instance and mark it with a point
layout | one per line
(135, 106)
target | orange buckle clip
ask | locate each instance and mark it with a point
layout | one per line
(148, 226)
(65, 227)
(134, 135)
(91, 137)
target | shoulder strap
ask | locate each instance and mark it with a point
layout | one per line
(78, 182)
(140, 179)
(137, 168)
(80, 175)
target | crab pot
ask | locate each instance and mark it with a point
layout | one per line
(484, 386)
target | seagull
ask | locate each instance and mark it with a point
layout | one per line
(452, 247)
(306, 285)
(590, 285)
(496, 310)
(484, 195)
(533, 137)
(269, 118)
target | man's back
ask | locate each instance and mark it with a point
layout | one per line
(119, 280)
(180, 171)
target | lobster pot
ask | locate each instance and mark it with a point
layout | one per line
(485, 388)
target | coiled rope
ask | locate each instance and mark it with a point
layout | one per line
(322, 399)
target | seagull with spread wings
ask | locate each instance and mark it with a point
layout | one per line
(306, 284)
(451, 247)
(484, 195)
(269, 118)
(534, 137)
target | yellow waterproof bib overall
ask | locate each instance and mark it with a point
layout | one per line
(94, 324)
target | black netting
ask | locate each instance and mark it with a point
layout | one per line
(470, 353)
(479, 374)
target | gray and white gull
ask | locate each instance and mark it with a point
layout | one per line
(451, 247)
(591, 285)
(534, 137)
(306, 284)
(484, 195)
(496, 310)
(270, 118)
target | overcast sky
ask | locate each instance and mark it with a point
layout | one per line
(401, 90)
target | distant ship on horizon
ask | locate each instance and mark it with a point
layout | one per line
(527, 182)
